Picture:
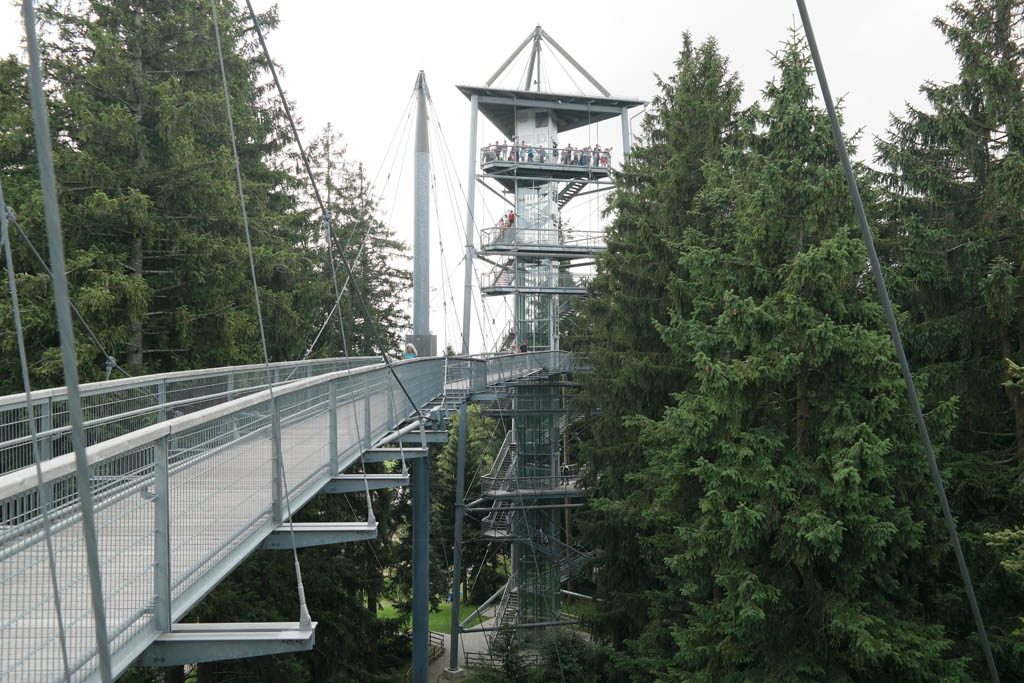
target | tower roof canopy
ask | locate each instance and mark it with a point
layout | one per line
(499, 104)
(572, 111)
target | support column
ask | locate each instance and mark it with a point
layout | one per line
(627, 135)
(460, 463)
(161, 539)
(421, 329)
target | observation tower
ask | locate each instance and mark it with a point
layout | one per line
(541, 251)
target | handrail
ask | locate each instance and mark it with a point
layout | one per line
(504, 275)
(119, 406)
(500, 463)
(93, 388)
(547, 156)
(542, 238)
(496, 369)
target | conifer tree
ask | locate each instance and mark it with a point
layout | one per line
(152, 222)
(954, 190)
(632, 369)
(805, 543)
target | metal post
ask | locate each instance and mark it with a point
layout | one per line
(627, 135)
(367, 439)
(420, 326)
(460, 462)
(161, 538)
(276, 462)
(161, 397)
(332, 390)
(45, 425)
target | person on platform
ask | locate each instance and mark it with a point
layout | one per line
(409, 353)
(525, 346)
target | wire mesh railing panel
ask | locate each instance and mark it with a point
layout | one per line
(30, 649)
(113, 408)
(221, 484)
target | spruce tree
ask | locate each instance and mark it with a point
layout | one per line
(805, 543)
(954, 173)
(151, 213)
(632, 370)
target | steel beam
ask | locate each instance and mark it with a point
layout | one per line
(554, 106)
(389, 454)
(358, 483)
(194, 643)
(312, 534)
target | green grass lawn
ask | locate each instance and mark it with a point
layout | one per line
(440, 621)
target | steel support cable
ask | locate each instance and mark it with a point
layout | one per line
(370, 516)
(62, 300)
(566, 72)
(446, 280)
(449, 172)
(37, 459)
(327, 319)
(111, 362)
(883, 294)
(316, 191)
(337, 305)
(304, 619)
(400, 132)
(326, 219)
(458, 183)
(401, 162)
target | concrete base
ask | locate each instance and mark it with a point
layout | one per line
(448, 675)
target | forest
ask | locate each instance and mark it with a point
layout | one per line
(757, 490)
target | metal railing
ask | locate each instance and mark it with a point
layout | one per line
(181, 502)
(508, 608)
(588, 157)
(117, 407)
(500, 519)
(505, 276)
(515, 236)
(504, 462)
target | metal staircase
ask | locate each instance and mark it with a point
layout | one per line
(572, 188)
(572, 559)
(499, 521)
(508, 610)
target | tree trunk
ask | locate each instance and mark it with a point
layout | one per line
(803, 412)
(134, 359)
(135, 346)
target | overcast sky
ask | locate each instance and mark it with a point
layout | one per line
(354, 65)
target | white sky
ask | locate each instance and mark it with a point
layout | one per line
(354, 65)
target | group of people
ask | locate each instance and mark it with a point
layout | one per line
(507, 220)
(593, 156)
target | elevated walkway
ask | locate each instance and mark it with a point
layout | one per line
(182, 501)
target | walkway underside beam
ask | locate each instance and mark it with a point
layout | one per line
(358, 483)
(311, 534)
(431, 436)
(195, 643)
(389, 454)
